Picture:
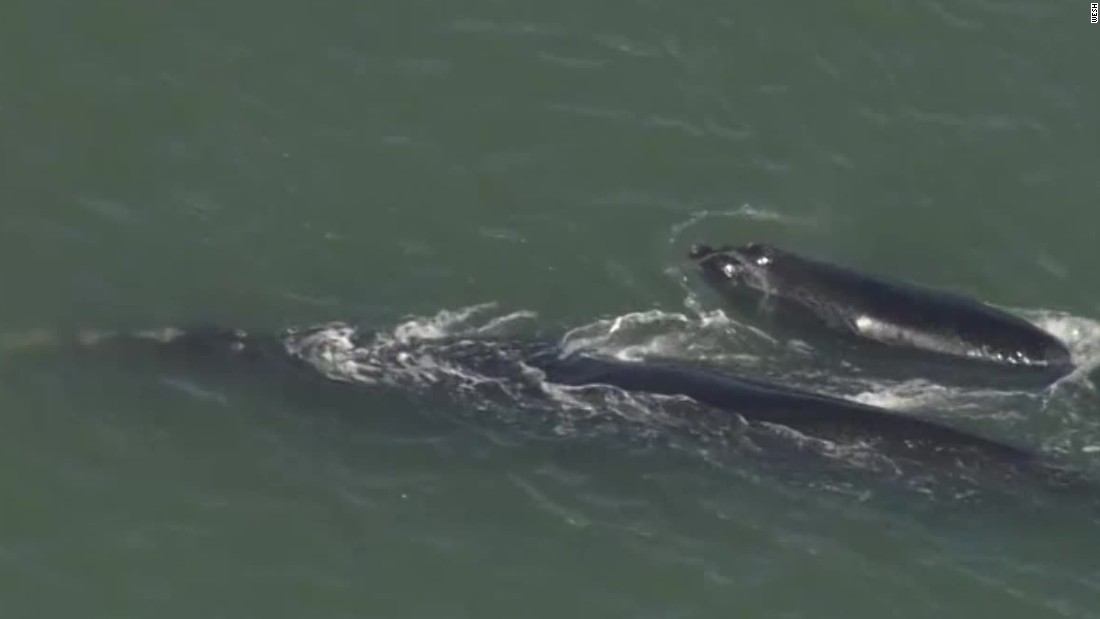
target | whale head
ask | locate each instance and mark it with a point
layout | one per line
(733, 265)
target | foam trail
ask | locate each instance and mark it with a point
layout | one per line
(442, 325)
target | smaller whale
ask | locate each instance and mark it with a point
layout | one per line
(873, 308)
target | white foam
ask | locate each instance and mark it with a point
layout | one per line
(443, 324)
(419, 351)
(612, 336)
(907, 395)
(1081, 335)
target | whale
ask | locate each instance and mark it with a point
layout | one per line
(872, 308)
(899, 436)
(739, 401)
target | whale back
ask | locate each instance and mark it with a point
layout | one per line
(887, 311)
(818, 415)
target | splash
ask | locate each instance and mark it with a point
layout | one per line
(418, 351)
(1082, 337)
(451, 323)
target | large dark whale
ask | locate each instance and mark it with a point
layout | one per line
(754, 403)
(869, 307)
(901, 437)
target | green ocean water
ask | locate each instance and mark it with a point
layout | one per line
(267, 165)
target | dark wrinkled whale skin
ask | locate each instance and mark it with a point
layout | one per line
(895, 435)
(813, 414)
(873, 308)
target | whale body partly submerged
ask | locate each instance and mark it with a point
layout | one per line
(814, 415)
(890, 312)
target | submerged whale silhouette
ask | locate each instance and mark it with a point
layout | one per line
(742, 400)
(873, 308)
